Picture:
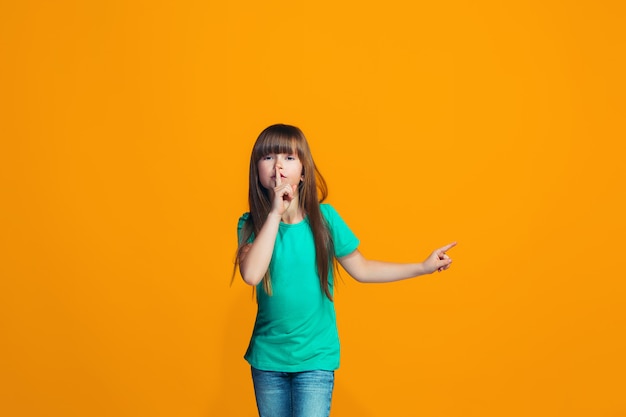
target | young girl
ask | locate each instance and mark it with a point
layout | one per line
(288, 247)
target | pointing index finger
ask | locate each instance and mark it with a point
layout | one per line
(448, 247)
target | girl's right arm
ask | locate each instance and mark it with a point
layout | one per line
(256, 256)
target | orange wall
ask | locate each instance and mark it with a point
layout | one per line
(126, 130)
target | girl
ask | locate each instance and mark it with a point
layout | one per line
(289, 244)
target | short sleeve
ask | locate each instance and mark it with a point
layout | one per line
(344, 239)
(240, 224)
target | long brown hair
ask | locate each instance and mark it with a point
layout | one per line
(312, 191)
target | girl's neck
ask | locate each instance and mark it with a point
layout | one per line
(293, 214)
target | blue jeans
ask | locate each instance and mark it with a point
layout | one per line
(293, 394)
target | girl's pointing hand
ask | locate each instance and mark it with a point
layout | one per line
(439, 259)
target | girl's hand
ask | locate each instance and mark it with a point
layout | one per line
(283, 195)
(439, 259)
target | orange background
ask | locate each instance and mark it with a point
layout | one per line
(126, 131)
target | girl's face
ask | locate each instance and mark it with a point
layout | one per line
(287, 165)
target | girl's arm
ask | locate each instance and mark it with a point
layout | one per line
(255, 257)
(366, 270)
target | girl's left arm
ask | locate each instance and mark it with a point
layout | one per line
(366, 270)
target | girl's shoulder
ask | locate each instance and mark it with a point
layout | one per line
(242, 219)
(328, 211)
(326, 208)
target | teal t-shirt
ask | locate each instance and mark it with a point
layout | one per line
(296, 328)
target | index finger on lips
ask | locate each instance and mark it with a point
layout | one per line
(278, 179)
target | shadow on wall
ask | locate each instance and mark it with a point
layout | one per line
(345, 404)
(234, 397)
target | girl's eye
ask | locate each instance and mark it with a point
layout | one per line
(291, 158)
(267, 157)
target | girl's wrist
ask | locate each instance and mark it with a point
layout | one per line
(275, 216)
(422, 269)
